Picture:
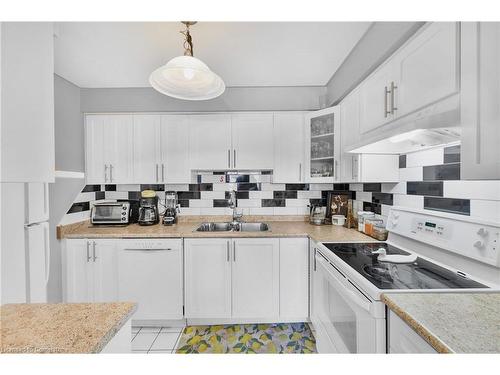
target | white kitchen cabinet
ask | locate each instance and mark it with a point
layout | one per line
(27, 102)
(375, 98)
(210, 142)
(90, 270)
(289, 142)
(349, 135)
(480, 98)
(404, 340)
(420, 74)
(147, 149)
(252, 140)
(255, 278)
(207, 278)
(174, 138)
(150, 272)
(161, 149)
(427, 67)
(109, 149)
(294, 278)
(322, 145)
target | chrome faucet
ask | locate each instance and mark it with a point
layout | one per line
(232, 204)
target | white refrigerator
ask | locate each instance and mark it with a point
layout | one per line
(25, 242)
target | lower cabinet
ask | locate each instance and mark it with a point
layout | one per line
(403, 339)
(246, 279)
(255, 277)
(90, 271)
(207, 278)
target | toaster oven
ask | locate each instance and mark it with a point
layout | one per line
(110, 213)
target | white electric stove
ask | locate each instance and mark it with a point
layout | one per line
(447, 253)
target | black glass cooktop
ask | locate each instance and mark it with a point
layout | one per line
(420, 274)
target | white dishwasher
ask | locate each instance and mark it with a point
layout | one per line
(150, 272)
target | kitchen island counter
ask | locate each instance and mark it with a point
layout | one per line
(61, 327)
(451, 322)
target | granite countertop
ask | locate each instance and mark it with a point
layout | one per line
(61, 327)
(451, 322)
(279, 228)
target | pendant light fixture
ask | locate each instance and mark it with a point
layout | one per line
(186, 77)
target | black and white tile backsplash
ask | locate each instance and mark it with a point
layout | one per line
(429, 179)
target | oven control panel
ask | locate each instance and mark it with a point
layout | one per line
(464, 236)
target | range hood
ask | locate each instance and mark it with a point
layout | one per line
(433, 126)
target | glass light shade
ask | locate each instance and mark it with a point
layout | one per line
(186, 77)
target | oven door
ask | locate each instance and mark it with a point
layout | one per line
(341, 315)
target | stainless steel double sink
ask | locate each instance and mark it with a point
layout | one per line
(230, 227)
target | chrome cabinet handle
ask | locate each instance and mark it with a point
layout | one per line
(156, 169)
(88, 251)
(139, 249)
(314, 260)
(393, 92)
(234, 253)
(335, 169)
(229, 158)
(111, 173)
(94, 257)
(234, 158)
(386, 92)
(300, 171)
(162, 172)
(105, 173)
(227, 251)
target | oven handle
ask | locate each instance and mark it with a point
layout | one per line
(344, 290)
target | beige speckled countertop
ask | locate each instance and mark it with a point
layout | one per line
(451, 322)
(295, 228)
(61, 327)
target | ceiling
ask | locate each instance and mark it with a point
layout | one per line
(112, 54)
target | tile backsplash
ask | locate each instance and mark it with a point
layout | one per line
(429, 179)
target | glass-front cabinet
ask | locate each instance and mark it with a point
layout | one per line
(323, 145)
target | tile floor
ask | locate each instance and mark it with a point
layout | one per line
(155, 340)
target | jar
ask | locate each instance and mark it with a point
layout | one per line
(370, 223)
(379, 232)
(362, 216)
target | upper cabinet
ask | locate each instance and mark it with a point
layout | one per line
(210, 141)
(252, 139)
(27, 102)
(161, 149)
(289, 141)
(349, 134)
(423, 72)
(480, 98)
(322, 145)
(109, 145)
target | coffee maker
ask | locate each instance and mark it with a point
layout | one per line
(148, 208)
(171, 208)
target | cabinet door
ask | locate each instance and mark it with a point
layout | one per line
(175, 149)
(210, 141)
(289, 141)
(252, 136)
(428, 67)
(349, 135)
(374, 98)
(118, 145)
(27, 151)
(146, 141)
(480, 98)
(96, 170)
(104, 262)
(294, 277)
(207, 278)
(255, 278)
(323, 143)
(78, 271)
(152, 278)
(403, 339)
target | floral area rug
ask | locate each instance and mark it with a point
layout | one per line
(248, 338)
